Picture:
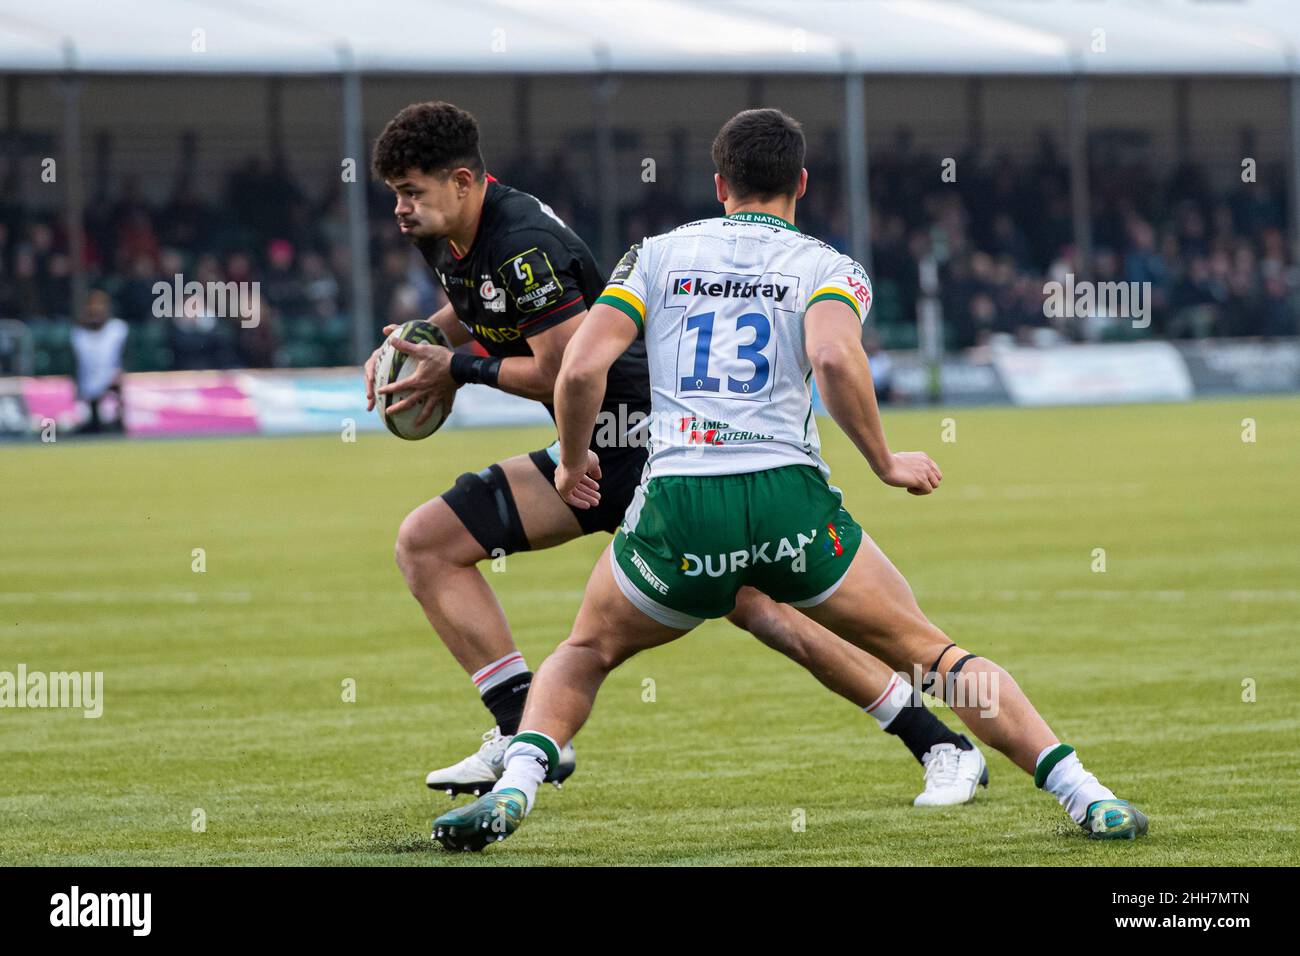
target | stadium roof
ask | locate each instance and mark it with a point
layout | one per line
(1193, 37)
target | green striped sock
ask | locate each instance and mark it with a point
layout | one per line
(1046, 764)
(543, 743)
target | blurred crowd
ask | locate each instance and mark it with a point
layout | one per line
(1217, 260)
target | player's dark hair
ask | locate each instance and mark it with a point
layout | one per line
(432, 137)
(760, 154)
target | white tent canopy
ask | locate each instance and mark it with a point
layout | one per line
(1252, 37)
(1063, 38)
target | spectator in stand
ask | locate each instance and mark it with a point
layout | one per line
(200, 339)
(320, 288)
(1217, 259)
(98, 341)
(136, 293)
(281, 284)
(255, 343)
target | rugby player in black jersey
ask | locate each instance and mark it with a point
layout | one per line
(518, 282)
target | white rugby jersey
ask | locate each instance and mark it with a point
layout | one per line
(721, 302)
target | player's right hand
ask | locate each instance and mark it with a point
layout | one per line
(913, 470)
(369, 370)
(580, 487)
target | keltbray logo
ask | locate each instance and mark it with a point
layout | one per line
(730, 289)
(716, 565)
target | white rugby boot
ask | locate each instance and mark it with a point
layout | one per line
(951, 775)
(478, 772)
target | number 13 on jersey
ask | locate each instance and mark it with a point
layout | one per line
(726, 354)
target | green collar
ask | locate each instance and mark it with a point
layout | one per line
(766, 218)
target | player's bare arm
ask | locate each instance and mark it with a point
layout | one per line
(447, 320)
(603, 337)
(533, 376)
(834, 344)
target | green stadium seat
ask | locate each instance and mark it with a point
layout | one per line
(887, 309)
(52, 343)
(302, 354)
(147, 348)
(897, 335)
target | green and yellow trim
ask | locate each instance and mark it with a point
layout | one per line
(839, 295)
(626, 302)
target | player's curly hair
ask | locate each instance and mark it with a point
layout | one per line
(432, 137)
(760, 153)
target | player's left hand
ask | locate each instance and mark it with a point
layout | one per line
(913, 470)
(430, 380)
(579, 487)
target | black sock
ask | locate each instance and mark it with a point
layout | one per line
(919, 730)
(506, 701)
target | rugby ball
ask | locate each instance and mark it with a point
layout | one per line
(393, 366)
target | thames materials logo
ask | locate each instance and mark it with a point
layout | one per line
(703, 431)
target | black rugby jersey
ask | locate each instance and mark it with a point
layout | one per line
(526, 272)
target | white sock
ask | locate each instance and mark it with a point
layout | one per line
(1072, 785)
(891, 702)
(499, 671)
(526, 766)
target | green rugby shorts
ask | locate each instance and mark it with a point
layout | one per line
(688, 543)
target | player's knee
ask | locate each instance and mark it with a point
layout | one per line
(600, 651)
(421, 540)
(406, 548)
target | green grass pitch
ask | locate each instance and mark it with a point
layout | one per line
(224, 689)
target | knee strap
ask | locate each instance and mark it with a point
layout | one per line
(932, 675)
(956, 668)
(483, 502)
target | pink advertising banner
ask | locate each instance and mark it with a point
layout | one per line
(188, 403)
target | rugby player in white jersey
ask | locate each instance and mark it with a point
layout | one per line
(738, 313)
(518, 283)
